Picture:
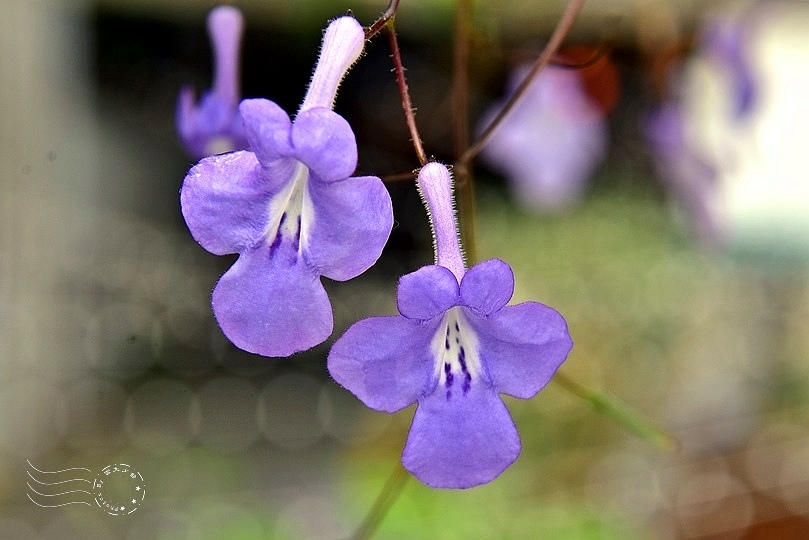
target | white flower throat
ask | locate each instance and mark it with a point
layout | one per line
(288, 209)
(457, 362)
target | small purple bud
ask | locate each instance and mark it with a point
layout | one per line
(213, 125)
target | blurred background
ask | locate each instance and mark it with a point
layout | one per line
(680, 266)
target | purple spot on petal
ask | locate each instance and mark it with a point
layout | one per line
(277, 240)
(297, 239)
(448, 373)
(275, 243)
(467, 383)
(449, 394)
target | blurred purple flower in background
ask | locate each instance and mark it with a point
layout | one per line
(455, 347)
(291, 210)
(690, 177)
(550, 144)
(213, 125)
(693, 134)
(724, 45)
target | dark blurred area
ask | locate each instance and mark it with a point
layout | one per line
(109, 353)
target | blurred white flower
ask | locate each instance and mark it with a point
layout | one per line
(731, 144)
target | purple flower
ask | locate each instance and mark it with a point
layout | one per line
(551, 142)
(695, 138)
(291, 210)
(455, 347)
(723, 43)
(213, 125)
(690, 177)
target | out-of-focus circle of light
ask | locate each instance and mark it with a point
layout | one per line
(158, 416)
(225, 520)
(90, 526)
(311, 517)
(713, 502)
(765, 453)
(794, 477)
(234, 360)
(122, 340)
(157, 268)
(185, 361)
(149, 523)
(17, 529)
(227, 419)
(287, 411)
(346, 419)
(34, 413)
(626, 483)
(95, 415)
(188, 310)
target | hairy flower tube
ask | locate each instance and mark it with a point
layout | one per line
(291, 210)
(453, 349)
(550, 144)
(213, 125)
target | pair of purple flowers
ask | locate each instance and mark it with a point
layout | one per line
(292, 211)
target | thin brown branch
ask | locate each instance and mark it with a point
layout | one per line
(560, 32)
(407, 105)
(600, 51)
(383, 19)
(398, 177)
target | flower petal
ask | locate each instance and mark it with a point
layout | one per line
(385, 361)
(350, 224)
(271, 303)
(268, 128)
(522, 346)
(324, 142)
(488, 286)
(427, 292)
(463, 441)
(224, 200)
